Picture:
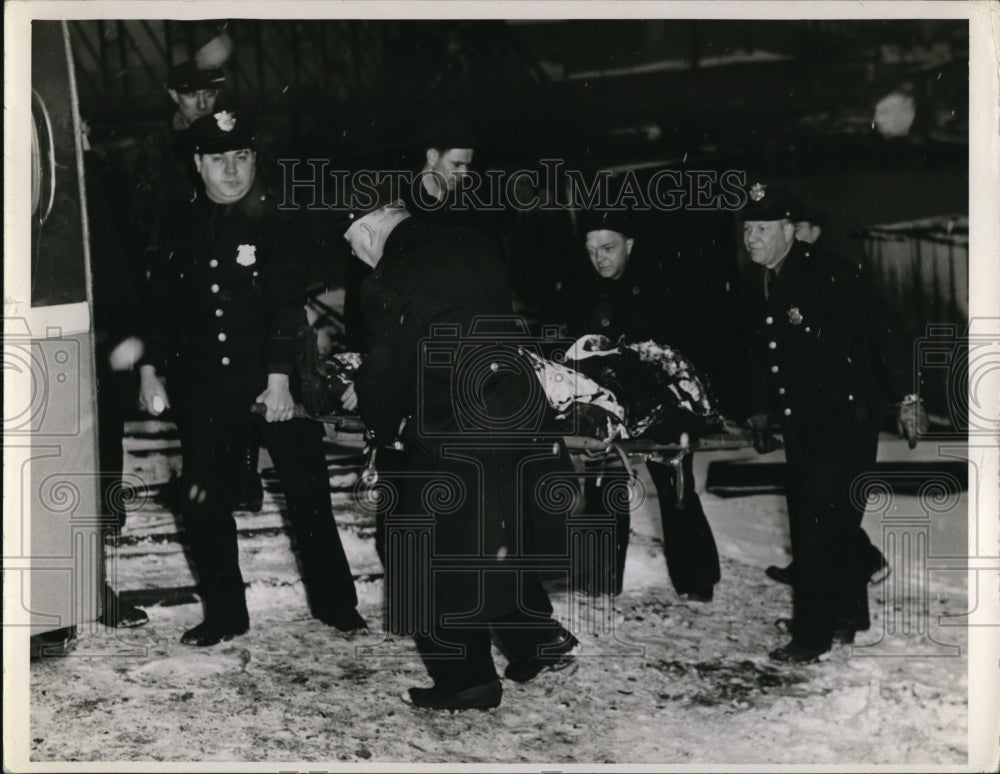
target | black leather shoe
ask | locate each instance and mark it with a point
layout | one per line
(119, 615)
(879, 571)
(697, 595)
(350, 621)
(206, 633)
(842, 635)
(780, 574)
(481, 697)
(794, 653)
(554, 656)
(58, 642)
(130, 617)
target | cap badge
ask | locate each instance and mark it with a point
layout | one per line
(757, 192)
(246, 255)
(225, 120)
(795, 316)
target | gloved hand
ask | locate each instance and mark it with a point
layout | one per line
(762, 433)
(911, 420)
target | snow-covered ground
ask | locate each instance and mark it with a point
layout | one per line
(658, 680)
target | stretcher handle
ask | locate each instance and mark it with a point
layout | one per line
(345, 423)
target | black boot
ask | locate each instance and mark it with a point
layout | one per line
(119, 615)
(798, 653)
(781, 574)
(344, 621)
(57, 642)
(555, 655)
(210, 633)
(482, 697)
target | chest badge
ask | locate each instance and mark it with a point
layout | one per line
(246, 255)
(795, 316)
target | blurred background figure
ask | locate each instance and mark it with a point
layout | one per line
(116, 287)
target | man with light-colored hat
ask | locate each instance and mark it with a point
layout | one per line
(440, 378)
(828, 363)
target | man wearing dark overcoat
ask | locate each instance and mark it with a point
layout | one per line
(828, 363)
(225, 301)
(447, 150)
(440, 377)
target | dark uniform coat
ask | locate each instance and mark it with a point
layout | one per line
(641, 305)
(637, 305)
(473, 421)
(828, 361)
(224, 303)
(225, 300)
(163, 180)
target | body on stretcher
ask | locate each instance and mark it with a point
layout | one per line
(630, 452)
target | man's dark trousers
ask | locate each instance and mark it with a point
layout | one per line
(688, 545)
(211, 452)
(830, 583)
(460, 656)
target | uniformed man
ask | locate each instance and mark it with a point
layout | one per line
(810, 221)
(163, 174)
(827, 362)
(164, 180)
(627, 295)
(224, 303)
(425, 276)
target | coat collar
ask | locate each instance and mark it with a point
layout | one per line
(791, 264)
(250, 206)
(408, 235)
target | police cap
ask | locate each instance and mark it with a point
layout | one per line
(221, 132)
(187, 77)
(769, 202)
(607, 220)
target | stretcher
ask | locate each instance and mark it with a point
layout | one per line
(629, 452)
